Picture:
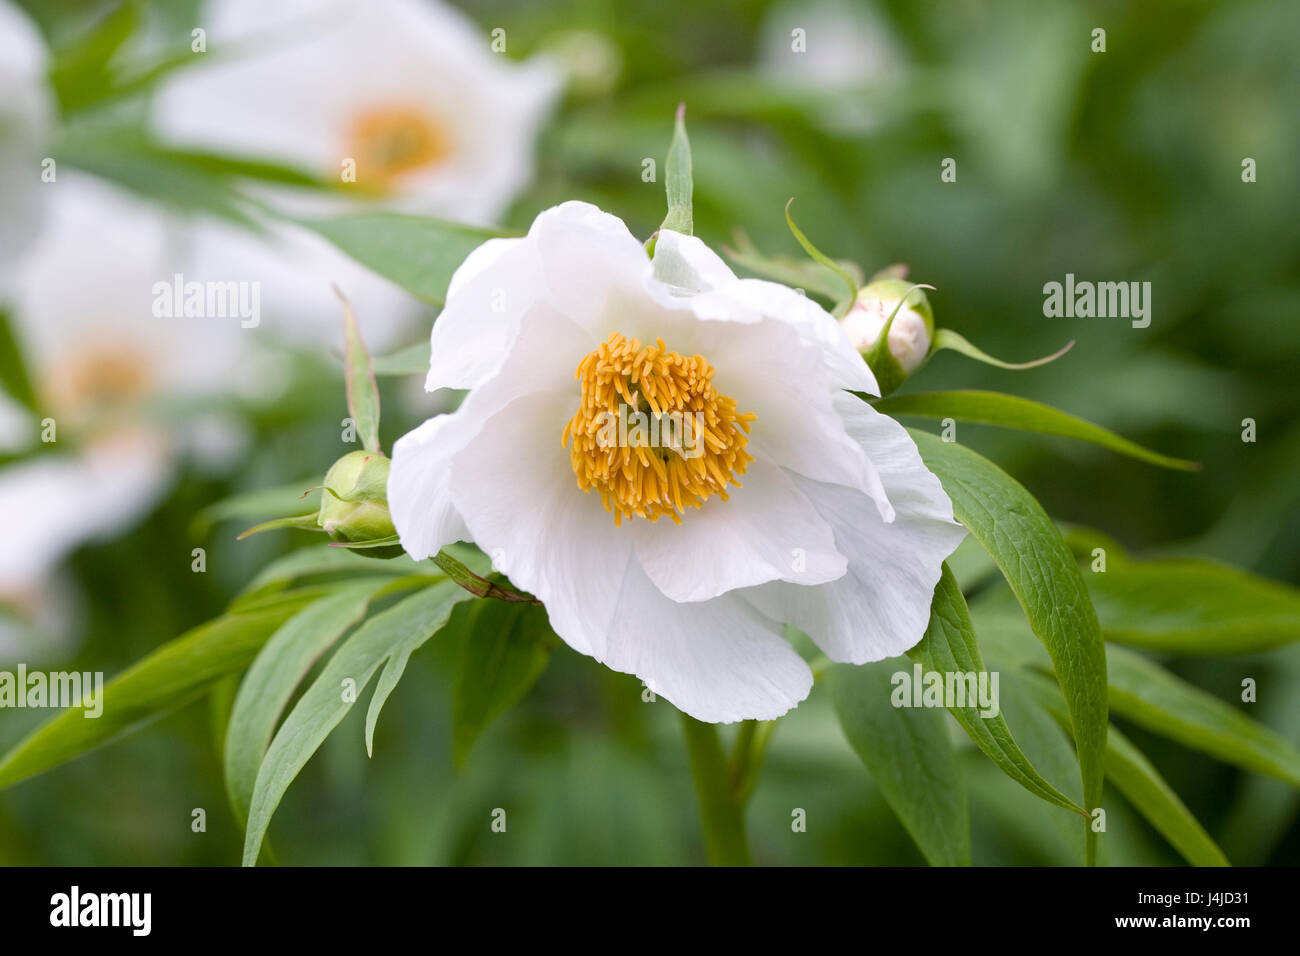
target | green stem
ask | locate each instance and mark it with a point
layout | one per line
(721, 813)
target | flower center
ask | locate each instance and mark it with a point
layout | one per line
(97, 376)
(389, 141)
(652, 435)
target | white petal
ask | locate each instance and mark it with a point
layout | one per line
(773, 372)
(766, 531)
(538, 369)
(515, 487)
(419, 498)
(686, 264)
(748, 300)
(593, 267)
(882, 606)
(496, 284)
(54, 503)
(717, 660)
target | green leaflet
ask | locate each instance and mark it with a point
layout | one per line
(677, 179)
(1042, 572)
(505, 648)
(949, 646)
(394, 632)
(412, 360)
(276, 672)
(362, 392)
(1151, 697)
(1139, 781)
(909, 755)
(14, 379)
(176, 673)
(418, 253)
(1193, 606)
(1012, 411)
(948, 339)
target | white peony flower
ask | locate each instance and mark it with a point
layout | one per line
(26, 115)
(676, 559)
(407, 90)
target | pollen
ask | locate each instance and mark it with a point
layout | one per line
(390, 141)
(652, 435)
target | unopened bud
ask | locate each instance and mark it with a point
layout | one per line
(354, 501)
(911, 331)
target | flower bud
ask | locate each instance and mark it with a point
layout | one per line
(911, 332)
(354, 501)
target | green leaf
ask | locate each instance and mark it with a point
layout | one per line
(327, 701)
(948, 339)
(13, 369)
(1135, 777)
(1012, 411)
(1042, 572)
(1151, 697)
(80, 72)
(506, 647)
(821, 258)
(909, 754)
(307, 522)
(363, 393)
(803, 274)
(677, 179)
(257, 503)
(1193, 606)
(176, 673)
(322, 560)
(949, 646)
(276, 672)
(412, 360)
(418, 253)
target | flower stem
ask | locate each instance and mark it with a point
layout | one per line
(722, 813)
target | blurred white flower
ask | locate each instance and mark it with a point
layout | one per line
(839, 48)
(26, 112)
(792, 501)
(106, 371)
(409, 92)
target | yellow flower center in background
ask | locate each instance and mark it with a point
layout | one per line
(652, 435)
(390, 141)
(98, 375)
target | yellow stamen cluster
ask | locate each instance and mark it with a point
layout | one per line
(391, 140)
(637, 476)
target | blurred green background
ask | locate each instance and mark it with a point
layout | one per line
(1122, 165)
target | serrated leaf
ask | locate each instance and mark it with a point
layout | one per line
(909, 755)
(176, 673)
(1012, 411)
(949, 646)
(1135, 777)
(1148, 695)
(677, 179)
(1193, 606)
(323, 705)
(1042, 572)
(504, 650)
(418, 253)
(274, 676)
